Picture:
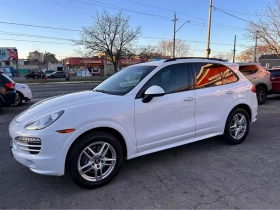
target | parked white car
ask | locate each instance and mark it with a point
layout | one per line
(175, 102)
(24, 94)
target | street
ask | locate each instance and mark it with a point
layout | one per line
(206, 174)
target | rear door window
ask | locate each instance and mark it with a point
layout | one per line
(207, 75)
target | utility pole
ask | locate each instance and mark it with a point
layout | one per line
(208, 50)
(256, 44)
(174, 34)
(234, 49)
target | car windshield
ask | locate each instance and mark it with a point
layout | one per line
(125, 80)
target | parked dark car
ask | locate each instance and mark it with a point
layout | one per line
(57, 74)
(275, 80)
(8, 94)
(34, 74)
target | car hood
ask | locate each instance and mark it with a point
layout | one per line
(58, 103)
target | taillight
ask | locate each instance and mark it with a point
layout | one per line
(267, 73)
(254, 90)
(10, 85)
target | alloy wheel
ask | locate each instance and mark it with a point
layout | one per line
(261, 95)
(97, 161)
(238, 126)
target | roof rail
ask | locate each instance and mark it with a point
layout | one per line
(174, 59)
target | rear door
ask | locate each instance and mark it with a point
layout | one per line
(216, 89)
(275, 80)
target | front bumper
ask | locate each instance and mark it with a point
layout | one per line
(28, 95)
(46, 158)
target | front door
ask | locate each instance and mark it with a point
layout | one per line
(170, 118)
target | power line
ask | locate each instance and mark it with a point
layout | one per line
(230, 28)
(35, 36)
(72, 40)
(216, 23)
(38, 26)
(19, 40)
(67, 43)
(231, 15)
(119, 8)
(241, 13)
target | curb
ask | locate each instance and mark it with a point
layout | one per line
(61, 83)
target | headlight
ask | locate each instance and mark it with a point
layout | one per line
(43, 122)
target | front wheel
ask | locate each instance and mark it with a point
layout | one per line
(94, 160)
(237, 126)
(261, 95)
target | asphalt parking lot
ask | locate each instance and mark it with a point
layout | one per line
(204, 175)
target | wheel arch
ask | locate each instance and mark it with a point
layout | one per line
(118, 134)
(19, 92)
(244, 106)
(262, 85)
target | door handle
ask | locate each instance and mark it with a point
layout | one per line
(255, 77)
(230, 92)
(188, 99)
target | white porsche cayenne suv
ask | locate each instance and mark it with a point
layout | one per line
(142, 109)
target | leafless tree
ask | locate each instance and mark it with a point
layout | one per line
(266, 27)
(247, 55)
(110, 34)
(165, 47)
(225, 56)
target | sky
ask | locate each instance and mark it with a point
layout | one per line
(155, 20)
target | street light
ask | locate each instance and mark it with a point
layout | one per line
(175, 31)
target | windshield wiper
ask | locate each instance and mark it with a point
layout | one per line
(102, 91)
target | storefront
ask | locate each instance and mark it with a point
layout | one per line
(124, 62)
(95, 66)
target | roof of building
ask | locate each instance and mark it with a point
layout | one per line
(271, 56)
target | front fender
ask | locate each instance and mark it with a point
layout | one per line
(130, 141)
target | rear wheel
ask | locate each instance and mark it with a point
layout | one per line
(18, 102)
(261, 94)
(94, 160)
(237, 126)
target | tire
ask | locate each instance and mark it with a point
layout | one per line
(261, 94)
(79, 156)
(19, 101)
(230, 131)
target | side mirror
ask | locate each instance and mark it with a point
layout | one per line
(151, 92)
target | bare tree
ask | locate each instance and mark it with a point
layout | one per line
(266, 27)
(247, 55)
(165, 47)
(109, 34)
(225, 56)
